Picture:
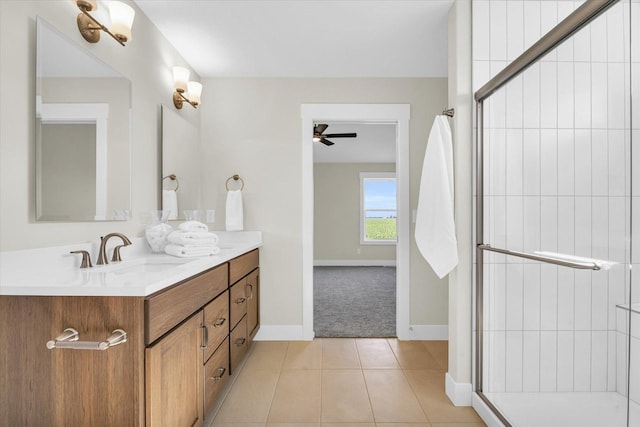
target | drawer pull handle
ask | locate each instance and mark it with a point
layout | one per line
(69, 339)
(240, 341)
(250, 286)
(221, 372)
(219, 322)
(241, 300)
(205, 337)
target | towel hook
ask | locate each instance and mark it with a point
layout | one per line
(173, 177)
(449, 112)
(235, 177)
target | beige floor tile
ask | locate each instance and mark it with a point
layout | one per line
(344, 397)
(403, 425)
(348, 425)
(266, 355)
(376, 353)
(232, 424)
(413, 355)
(339, 353)
(304, 355)
(392, 399)
(250, 397)
(297, 397)
(428, 386)
(292, 425)
(480, 424)
(440, 352)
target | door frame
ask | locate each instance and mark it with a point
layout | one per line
(399, 115)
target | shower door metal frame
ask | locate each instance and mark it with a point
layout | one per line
(582, 16)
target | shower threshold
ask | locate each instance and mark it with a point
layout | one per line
(571, 409)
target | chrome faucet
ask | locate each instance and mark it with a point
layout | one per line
(102, 253)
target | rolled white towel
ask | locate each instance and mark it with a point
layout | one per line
(193, 226)
(191, 251)
(195, 238)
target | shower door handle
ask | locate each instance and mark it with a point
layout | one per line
(581, 265)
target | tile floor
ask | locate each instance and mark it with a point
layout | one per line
(343, 383)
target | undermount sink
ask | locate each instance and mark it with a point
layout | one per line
(145, 265)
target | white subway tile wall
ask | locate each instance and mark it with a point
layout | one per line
(557, 178)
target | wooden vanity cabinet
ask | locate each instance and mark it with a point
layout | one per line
(183, 343)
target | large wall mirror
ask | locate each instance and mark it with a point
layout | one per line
(83, 109)
(180, 171)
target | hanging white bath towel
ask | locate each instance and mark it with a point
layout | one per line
(435, 227)
(235, 211)
(170, 203)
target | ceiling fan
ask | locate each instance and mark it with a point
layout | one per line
(318, 135)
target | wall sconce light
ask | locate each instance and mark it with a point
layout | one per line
(121, 21)
(183, 85)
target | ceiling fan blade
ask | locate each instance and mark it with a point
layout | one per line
(326, 142)
(319, 128)
(341, 135)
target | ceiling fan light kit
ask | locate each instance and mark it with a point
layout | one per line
(320, 136)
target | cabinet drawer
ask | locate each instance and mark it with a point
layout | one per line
(242, 265)
(167, 308)
(216, 375)
(216, 320)
(238, 302)
(239, 343)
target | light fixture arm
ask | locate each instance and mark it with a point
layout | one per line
(89, 32)
(179, 98)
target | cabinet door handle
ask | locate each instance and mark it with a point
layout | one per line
(221, 372)
(241, 300)
(219, 322)
(205, 337)
(250, 286)
(240, 341)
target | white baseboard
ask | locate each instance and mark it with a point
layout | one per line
(485, 413)
(354, 263)
(281, 333)
(458, 393)
(425, 333)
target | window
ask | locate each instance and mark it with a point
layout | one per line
(378, 209)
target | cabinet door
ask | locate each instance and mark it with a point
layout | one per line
(174, 377)
(252, 290)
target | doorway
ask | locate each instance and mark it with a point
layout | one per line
(397, 114)
(355, 218)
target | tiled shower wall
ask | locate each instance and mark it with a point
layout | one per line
(558, 179)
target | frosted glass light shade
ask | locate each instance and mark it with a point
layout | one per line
(121, 19)
(195, 91)
(180, 78)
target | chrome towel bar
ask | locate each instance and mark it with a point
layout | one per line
(69, 339)
(550, 260)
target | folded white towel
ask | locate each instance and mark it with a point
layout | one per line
(194, 238)
(170, 203)
(193, 226)
(191, 251)
(235, 213)
(435, 231)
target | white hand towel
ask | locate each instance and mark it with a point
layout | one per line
(193, 226)
(191, 251)
(435, 232)
(235, 213)
(194, 238)
(170, 203)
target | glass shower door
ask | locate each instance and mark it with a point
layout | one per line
(556, 327)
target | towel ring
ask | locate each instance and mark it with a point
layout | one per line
(173, 177)
(235, 178)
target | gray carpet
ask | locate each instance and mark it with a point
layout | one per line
(355, 302)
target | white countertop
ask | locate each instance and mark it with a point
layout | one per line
(55, 272)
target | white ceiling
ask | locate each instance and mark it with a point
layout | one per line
(306, 38)
(375, 143)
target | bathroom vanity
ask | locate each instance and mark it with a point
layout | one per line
(183, 341)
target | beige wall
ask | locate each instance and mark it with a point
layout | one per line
(252, 127)
(336, 234)
(146, 61)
